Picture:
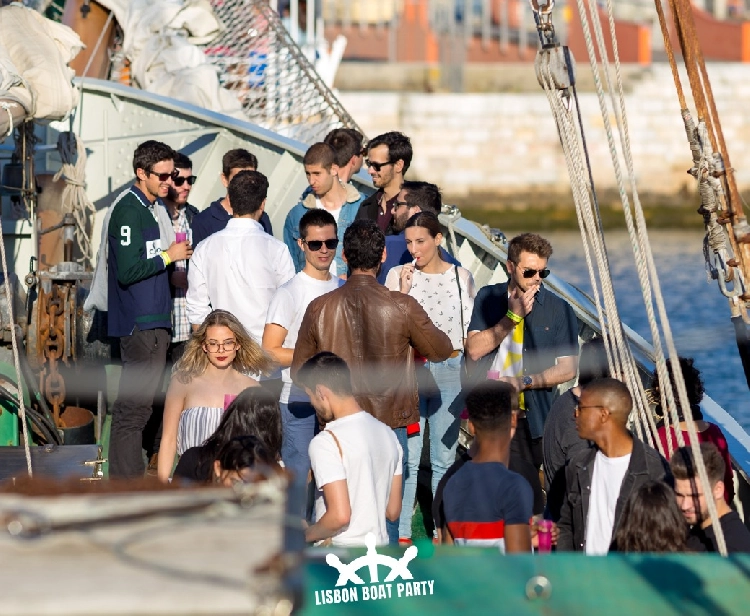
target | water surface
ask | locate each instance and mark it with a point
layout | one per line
(698, 313)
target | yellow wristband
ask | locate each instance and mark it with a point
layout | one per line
(514, 317)
(165, 258)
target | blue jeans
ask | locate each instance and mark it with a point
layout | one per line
(392, 527)
(440, 404)
(298, 424)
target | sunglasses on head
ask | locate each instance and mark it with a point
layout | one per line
(376, 166)
(530, 273)
(163, 177)
(316, 245)
(180, 180)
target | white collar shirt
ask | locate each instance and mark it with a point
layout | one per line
(237, 269)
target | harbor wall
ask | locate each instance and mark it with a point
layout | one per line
(498, 146)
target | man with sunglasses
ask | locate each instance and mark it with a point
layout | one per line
(527, 336)
(388, 158)
(414, 197)
(318, 240)
(138, 299)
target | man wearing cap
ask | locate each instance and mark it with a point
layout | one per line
(523, 334)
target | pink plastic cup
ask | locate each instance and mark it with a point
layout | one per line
(228, 399)
(493, 375)
(544, 535)
(180, 237)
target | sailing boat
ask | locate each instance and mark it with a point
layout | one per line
(117, 118)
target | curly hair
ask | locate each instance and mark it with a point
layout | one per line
(651, 521)
(364, 243)
(250, 358)
(528, 242)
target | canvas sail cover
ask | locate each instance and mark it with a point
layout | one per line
(35, 80)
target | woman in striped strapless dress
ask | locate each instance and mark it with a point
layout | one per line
(217, 359)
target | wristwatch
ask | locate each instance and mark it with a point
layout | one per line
(526, 380)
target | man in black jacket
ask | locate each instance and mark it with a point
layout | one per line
(388, 159)
(600, 480)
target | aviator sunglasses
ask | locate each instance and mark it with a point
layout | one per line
(316, 245)
(163, 177)
(180, 180)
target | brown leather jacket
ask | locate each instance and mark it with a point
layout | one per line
(375, 331)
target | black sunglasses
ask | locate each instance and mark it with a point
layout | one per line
(180, 180)
(376, 166)
(163, 177)
(316, 245)
(530, 273)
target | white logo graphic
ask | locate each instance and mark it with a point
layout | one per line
(399, 569)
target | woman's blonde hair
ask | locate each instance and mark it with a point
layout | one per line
(250, 358)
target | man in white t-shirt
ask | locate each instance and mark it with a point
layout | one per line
(601, 479)
(318, 242)
(356, 459)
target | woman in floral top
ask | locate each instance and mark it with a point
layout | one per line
(446, 292)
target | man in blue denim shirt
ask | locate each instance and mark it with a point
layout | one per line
(523, 334)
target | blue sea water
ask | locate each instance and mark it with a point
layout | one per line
(698, 313)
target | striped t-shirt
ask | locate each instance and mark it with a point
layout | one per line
(480, 499)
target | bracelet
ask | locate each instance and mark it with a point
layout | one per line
(514, 317)
(165, 257)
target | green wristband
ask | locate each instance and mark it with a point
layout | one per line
(514, 317)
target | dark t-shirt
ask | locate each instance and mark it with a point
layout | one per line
(480, 499)
(190, 468)
(736, 535)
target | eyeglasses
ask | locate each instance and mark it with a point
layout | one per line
(580, 408)
(227, 345)
(376, 166)
(180, 180)
(530, 273)
(163, 177)
(400, 204)
(316, 245)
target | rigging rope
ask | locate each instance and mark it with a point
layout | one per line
(638, 234)
(75, 201)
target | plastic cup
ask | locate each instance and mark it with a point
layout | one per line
(228, 399)
(493, 375)
(544, 535)
(180, 237)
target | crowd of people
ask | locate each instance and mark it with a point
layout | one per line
(329, 356)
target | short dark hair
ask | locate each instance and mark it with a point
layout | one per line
(238, 158)
(182, 162)
(364, 244)
(693, 385)
(316, 218)
(326, 369)
(346, 143)
(592, 363)
(399, 147)
(243, 452)
(150, 153)
(528, 242)
(426, 220)
(683, 463)
(424, 195)
(255, 411)
(490, 406)
(651, 521)
(247, 191)
(613, 394)
(320, 154)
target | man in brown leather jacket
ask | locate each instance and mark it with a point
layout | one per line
(376, 331)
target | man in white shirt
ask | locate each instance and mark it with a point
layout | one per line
(318, 242)
(601, 479)
(240, 267)
(356, 460)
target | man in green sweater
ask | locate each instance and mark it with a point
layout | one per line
(139, 301)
